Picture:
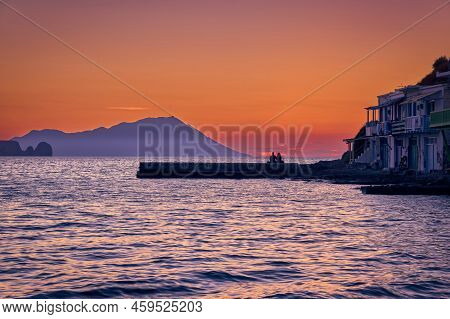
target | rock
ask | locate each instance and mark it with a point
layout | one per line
(10, 148)
(334, 164)
(346, 157)
(29, 151)
(406, 190)
(43, 149)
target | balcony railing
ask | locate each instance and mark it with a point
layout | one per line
(408, 125)
(371, 128)
(440, 119)
(398, 127)
(418, 124)
(378, 128)
(413, 124)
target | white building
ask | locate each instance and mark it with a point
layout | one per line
(409, 128)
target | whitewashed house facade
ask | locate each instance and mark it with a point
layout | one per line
(409, 128)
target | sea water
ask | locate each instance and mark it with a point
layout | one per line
(88, 228)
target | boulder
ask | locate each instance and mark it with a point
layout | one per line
(29, 151)
(43, 149)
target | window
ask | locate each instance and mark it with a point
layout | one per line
(414, 109)
(431, 105)
(398, 116)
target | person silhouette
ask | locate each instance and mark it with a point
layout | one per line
(279, 159)
(272, 158)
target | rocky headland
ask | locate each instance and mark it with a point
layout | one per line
(12, 148)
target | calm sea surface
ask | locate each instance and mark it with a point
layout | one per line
(88, 228)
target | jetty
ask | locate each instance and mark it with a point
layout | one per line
(377, 182)
(242, 170)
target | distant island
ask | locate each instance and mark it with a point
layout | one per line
(149, 137)
(12, 148)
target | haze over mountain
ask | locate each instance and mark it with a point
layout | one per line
(149, 137)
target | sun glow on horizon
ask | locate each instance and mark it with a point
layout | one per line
(210, 63)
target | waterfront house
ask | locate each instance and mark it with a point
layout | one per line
(409, 128)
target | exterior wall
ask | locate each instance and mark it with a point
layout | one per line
(440, 152)
(429, 153)
(439, 100)
(429, 150)
(367, 156)
(446, 98)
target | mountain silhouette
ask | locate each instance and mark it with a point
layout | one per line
(150, 137)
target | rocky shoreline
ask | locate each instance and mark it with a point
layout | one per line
(339, 172)
(381, 182)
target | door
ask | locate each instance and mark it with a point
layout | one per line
(384, 153)
(430, 157)
(413, 154)
(398, 152)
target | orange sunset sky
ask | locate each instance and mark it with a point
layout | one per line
(211, 62)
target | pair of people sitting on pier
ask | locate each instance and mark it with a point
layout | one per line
(275, 159)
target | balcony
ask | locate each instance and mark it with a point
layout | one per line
(398, 127)
(418, 124)
(440, 119)
(413, 124)
(386, 128)
(374, 128)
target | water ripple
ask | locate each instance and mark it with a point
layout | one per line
(87, 228)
